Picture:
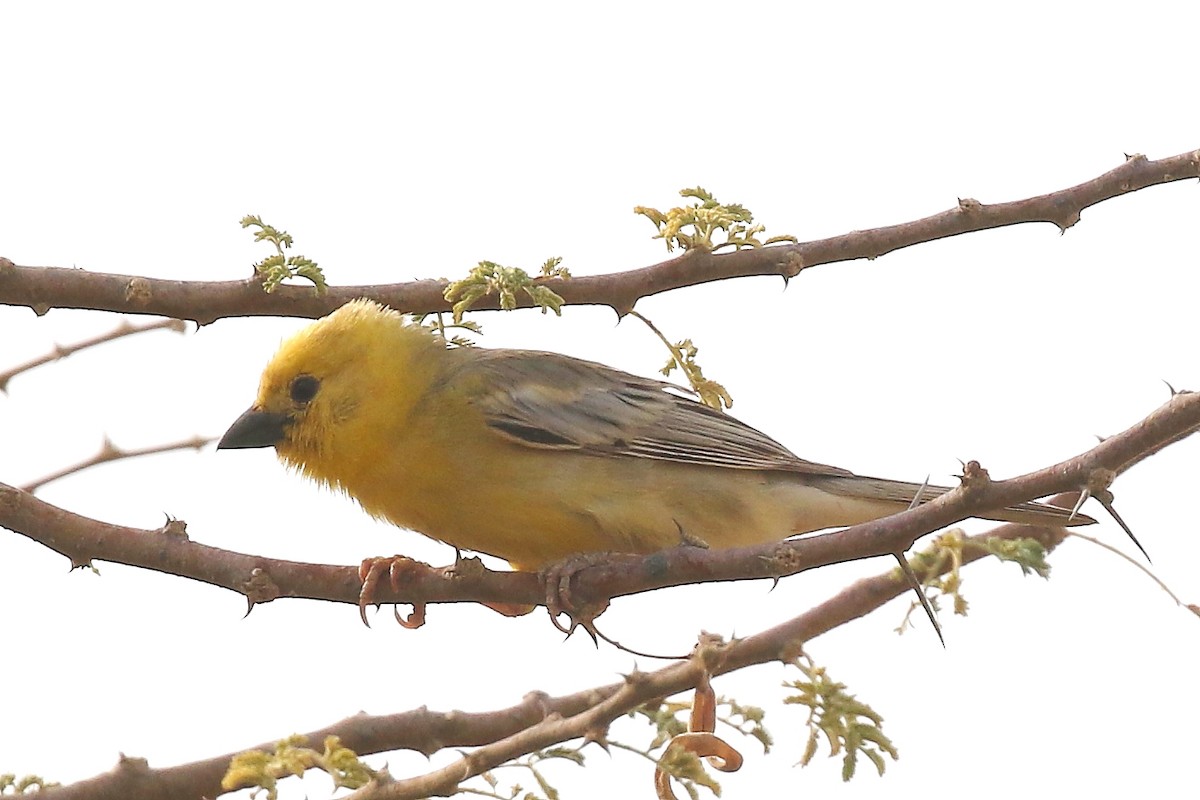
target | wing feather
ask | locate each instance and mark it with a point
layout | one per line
(551, 401)
(547, 400)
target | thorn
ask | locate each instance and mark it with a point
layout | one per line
(688, 540)
(907, 569)
(174, 527)
(1083, 496)
(621, 310)
(597, 736)
(636, 677)
(83, 563)
(1106, 500)
(916, 501)
(1174, 391)
(259, 588)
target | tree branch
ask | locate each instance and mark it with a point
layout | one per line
(43, 288)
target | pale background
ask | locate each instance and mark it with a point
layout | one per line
(398, 142)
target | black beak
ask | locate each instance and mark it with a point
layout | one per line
(254, 429)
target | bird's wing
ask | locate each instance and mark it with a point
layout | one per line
(551, 401)
(546, 400)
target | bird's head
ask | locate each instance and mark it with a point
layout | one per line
(312, 392)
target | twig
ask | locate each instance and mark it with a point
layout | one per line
(110, 452)
(1133, 561)
(60, 351)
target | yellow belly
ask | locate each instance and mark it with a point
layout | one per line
(534, 507)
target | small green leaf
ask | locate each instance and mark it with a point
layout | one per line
(849, 726)
(693, 227)
(275, 269)
(488, 278)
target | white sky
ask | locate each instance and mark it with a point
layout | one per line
(399, 143)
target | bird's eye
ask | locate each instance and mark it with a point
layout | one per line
(303, 388)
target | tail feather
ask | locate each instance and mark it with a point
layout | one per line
(903, 492)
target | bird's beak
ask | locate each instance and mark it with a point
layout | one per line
(255, 428)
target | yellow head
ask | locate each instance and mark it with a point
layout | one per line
(312, 391)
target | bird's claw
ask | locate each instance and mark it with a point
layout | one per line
(397, 569)
(556, 579)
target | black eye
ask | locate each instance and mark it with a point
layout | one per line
(303, 388)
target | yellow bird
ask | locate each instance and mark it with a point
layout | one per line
(534, 457)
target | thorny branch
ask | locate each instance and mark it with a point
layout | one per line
(539, 720)
(43, 288)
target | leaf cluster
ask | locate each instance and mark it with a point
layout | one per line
(262, 770)
(488, 277)
(683, 357)
(693, 227)
(850, 726)
(939, 567)
(275, 269)
(434, 322)
(531, 763)
(12, 786)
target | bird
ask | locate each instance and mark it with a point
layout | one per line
(536, 457)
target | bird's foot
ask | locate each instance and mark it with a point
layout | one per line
(398, 569)
(556, 579)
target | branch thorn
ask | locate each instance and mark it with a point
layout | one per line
(907, 569)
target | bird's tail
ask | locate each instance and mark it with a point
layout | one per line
(865, 488)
